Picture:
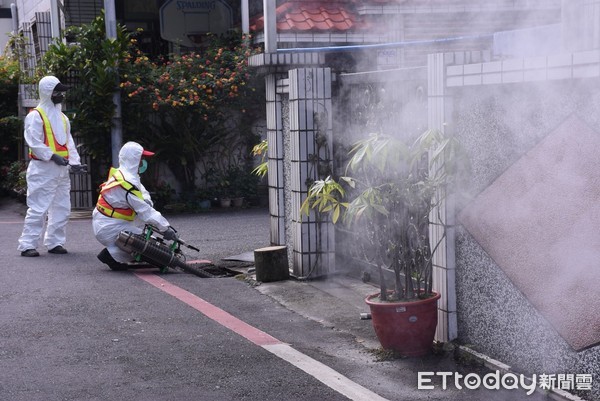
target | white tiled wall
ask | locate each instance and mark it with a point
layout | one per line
(530, 69)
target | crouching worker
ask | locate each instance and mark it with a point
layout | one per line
(123, 205)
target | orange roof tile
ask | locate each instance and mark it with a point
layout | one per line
(338, 15)
(315, 16)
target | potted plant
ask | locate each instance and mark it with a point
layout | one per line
(202, 199)
(391, 188)
(223, 188)
(242, 184)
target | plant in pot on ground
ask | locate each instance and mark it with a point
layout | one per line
(391, 188)
(242, 183)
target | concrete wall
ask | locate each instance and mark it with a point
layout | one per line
(5, 29)
(26, 9)
(501, 274)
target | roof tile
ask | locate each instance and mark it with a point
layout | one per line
(315, 16)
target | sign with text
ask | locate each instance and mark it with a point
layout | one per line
(388, 58)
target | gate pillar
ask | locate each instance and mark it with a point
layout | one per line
(309, 145)
(299, 133)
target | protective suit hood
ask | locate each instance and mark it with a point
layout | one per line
(53, 111)
(45, 88)
(129, 162)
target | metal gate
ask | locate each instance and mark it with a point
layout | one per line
(82, 193)
(392, 102)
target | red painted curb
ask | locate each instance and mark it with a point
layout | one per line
(251, 333)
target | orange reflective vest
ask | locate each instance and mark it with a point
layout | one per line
(116, 179)
(50, 139)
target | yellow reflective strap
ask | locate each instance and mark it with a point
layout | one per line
(116, 178)
(49, 135)
(107, 210)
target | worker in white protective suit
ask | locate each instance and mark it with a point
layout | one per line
(51, 151)
(123, 204)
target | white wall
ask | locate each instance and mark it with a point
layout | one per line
(5, 30)
(26, 9)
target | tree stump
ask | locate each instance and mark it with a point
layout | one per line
(271, 264)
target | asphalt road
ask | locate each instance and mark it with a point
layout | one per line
(71, 329)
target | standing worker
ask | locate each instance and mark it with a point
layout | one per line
(51, 150)
(122, 203)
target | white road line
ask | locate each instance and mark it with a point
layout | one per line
(323, 373)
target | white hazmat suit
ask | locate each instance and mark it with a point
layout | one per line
(48, 183)
(107, 229)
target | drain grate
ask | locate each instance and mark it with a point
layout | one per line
(208, 270)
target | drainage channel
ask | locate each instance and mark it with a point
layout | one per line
(206, 269)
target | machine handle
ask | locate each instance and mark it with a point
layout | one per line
(150, 228)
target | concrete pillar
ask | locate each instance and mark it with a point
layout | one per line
(444, 258)
(310, 117)
(275, 161)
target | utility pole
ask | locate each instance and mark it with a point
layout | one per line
(245, 17)
(116, 132)
(54, 20)
(270, 30)
(15, 18)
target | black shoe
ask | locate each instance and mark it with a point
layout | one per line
(60, 250)
(30, 253)
(105, 257)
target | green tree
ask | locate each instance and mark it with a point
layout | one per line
(10, 124)
(94, 61)
(179, 105)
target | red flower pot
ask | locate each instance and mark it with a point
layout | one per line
(405, 327)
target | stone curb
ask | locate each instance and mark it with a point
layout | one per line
(490, 363)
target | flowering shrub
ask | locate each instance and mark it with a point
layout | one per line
(200, 82)
(9, 71)
(196, 101)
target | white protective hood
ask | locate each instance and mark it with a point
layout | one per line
(53, 111)
(129, 162)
